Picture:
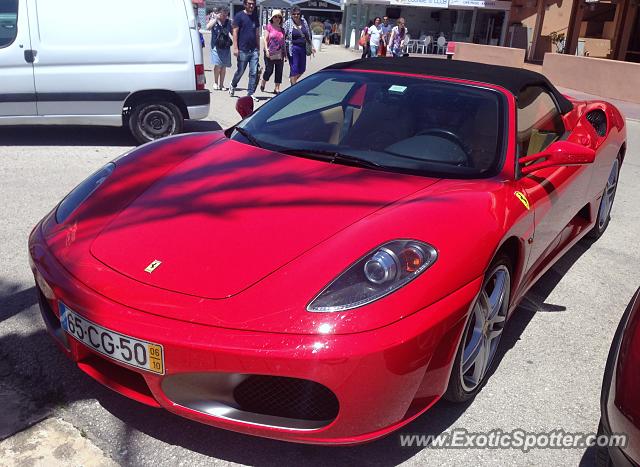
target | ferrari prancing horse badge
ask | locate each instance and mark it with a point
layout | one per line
(523, 199)
(153, 266)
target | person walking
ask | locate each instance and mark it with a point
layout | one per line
(398, 38)
(364, 40)
(298, 44)
(273, 51)
(220, 27)
(375, 37)
(386, 28)
(327, 30)
(246, 46)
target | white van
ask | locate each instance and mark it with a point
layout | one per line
(88, 62)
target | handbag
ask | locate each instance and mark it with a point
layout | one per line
(363, 40)
(274, 56)
(223, 40)
(308, 46)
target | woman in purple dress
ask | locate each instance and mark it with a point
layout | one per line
(298, 40)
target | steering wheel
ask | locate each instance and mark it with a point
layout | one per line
(449, 136)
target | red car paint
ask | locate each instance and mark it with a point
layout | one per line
(620, 401)
(247, 237)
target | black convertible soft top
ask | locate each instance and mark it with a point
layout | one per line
(512, 79)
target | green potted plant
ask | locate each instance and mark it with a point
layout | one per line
(317, 34)
(558, 39)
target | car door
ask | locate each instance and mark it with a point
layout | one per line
(556, 194)
(17, 94)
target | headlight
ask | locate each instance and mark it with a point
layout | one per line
(379, 273)
(82, 192)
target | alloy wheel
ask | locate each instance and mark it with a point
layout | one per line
(484, 328)
(606, 203)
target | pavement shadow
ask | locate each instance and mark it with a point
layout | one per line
(589, 457)
(66, 135)
(13, 300)
(251, 450)
(535, 301)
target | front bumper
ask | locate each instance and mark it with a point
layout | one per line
(382, 379)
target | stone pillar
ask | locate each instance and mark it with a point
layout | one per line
(537, 30)
(573, 32)
(505, 28)
(472, 29)
(624, 28)
(358, 26)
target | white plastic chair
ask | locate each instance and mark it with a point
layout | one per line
(423, 45)
(442, 45)
(409, 44)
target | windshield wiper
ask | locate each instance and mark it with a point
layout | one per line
(249, 136)
(332, 156)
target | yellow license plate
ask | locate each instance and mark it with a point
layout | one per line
(121, 348)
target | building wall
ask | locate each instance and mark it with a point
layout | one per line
(419, 20)
(556, 18)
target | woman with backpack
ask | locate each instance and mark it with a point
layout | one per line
(273, 51)
(221, 42)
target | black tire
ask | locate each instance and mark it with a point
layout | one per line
(456, 390)
(153, 120)
(601, 225)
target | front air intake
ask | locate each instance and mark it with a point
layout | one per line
(286, 397)
(276, 401)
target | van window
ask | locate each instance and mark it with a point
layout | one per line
(8, 21)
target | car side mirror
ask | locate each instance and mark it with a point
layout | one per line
(244, 106)
(558, 154)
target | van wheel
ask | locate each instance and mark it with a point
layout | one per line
(152, 120)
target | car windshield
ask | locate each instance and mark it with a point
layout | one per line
(386, 122)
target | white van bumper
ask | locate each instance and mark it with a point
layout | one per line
(198, 112)
(197, 103)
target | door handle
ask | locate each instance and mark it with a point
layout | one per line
(30, 55)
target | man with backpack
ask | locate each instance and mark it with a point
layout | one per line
(246, 46)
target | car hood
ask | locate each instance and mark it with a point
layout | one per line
(232, 214)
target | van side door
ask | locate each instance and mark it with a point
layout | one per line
(90, 61)
(17, 91)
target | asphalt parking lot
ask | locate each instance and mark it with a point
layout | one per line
(548, 376)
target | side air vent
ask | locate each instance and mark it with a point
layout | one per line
(598, 120)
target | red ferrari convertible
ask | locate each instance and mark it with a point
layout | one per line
(345, 256)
